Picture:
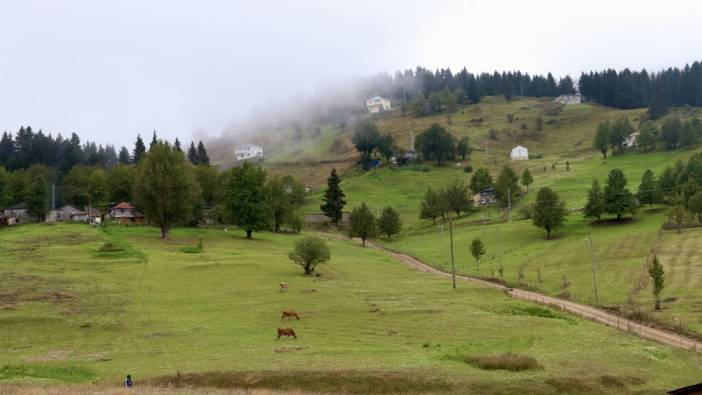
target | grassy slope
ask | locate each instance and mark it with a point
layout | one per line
(69, 316)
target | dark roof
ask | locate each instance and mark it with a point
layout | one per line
(18, 206)
(123, 205)
(690, 389)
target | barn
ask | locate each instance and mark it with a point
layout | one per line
(519, 153)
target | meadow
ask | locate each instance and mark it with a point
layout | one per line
(71, 313)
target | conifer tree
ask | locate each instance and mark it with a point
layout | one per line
(334, 201)
(649, 192)
(192, 154)
(202, 157)
(618, 200)
(139, 150)
(124, 158)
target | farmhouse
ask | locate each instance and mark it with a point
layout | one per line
(569, 99)
(377, 104)
(125, 213)
(519, 153)
(630, 141)
(484, 198)
(18, 214)
(82, 216)
(248, 151)
(64, 213)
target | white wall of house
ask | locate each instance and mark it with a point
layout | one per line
(378, 104)
(248, 151)
(519, 153)
(569, 99)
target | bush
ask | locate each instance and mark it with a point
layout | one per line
(196, 249)
(110, 247)
(492, 134)
(508, 361)
(468, 169)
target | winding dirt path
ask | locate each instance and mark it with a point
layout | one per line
(581, 310)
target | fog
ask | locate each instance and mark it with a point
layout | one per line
(110, 70)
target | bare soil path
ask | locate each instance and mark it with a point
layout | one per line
(581, 310)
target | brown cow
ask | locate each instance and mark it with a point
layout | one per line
(283, 287)
(289, 314)
(286, 332)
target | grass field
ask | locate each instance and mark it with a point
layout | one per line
(72, 314)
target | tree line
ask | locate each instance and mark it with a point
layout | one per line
(671, 134)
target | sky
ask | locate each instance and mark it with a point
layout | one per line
(187, 69)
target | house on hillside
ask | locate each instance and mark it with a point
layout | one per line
(378, 104)
(485, 197)
(630, 140)
(248, 152)
(126, 214)
(18, 214)
(64, 213)
(569, 99)
(92, 214)
(519, 153)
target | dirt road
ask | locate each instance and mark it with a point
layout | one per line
(581, 310)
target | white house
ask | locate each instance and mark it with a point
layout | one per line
(519, 153)
(569, 99)
(630, 141)
(248, 151)
(378, 104)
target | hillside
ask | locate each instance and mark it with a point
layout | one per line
(368, 323)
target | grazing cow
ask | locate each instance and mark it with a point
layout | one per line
(289, 314)
(286, 332)
(283, 287)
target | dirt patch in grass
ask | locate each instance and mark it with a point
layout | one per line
(536, 312)
(289, 349)
(508, 361)
(340, 381)
(615, 222)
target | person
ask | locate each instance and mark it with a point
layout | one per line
(128, 381)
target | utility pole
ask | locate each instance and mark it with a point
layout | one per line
(53, 196)
(453, 263)
(509, 205)
(594, 270)
(486, 150)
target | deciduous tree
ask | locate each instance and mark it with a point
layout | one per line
(549, 211)
(389, 223)
(362, 223)
(655, 270)
(309, 252)
(245, 198)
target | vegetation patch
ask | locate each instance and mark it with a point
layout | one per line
(193, 249)
(69, 374)
(508, 361)
(340, 381)
(536, 312)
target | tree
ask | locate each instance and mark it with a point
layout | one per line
(655, 270)
(5, 198)
(431, 206)
(124, 158)
(481, 180)
(176, 145)
(389, 223)
(202, 157)
(477, 249)
(365, 139)
(154, 140)
(334, 201)
(601, 142)
(120, 183)
(363, 223)
(539, 122)
(436, 143)
(386, 146)
(278, 201)
(207, 178)
(595, 206)
(37, 195)
(85, 185)
(506, 186)
(165, 188)
(667, 181)
(695, 205)
(549, 211)
(526, 179)
(670, 132)
(648, 136)
(309, 252)
(455, 198)
(463, 147)
(139, 150)
(648, 192)
(192, 154)
(245, 198)
(678, 216)
(618, 133)
(618, 200)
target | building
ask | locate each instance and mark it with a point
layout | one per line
(378, 104)
(95, 216)
(65, 213)
(630, 140)
(248, 151)
(484, 198)
(126, 214)
(569, 99)
(18, 214)
(519, 153)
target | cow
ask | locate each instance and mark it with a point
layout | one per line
(283, 287)
(286, 332)
(289, 314)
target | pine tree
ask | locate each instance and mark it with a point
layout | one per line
(124, 158)
(154, 140)
(481, 180)
(333, 198)
(526, 179)
(389, 223)
(139, 150)
(177, 146)
(192, 154)
(507, 187)
(595, 206)
(648, 192)
(618, 200)
(655, 270)
(202, 157)
(549, 211)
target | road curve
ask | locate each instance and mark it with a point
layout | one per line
(581, 310)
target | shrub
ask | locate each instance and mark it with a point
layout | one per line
(196, 249)
(109, 246)
(508, 361)
(468, 169)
